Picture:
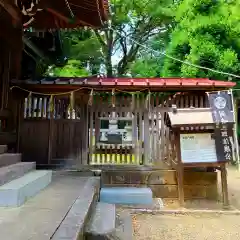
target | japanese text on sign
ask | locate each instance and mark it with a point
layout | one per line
(226, 145)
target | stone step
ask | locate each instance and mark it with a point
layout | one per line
(126, 195)
(124, 227)
(102, 223)
(9, 158)
(73, 225)
(3, 149)
(16, 192)
(15, 171)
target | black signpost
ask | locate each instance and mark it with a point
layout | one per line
(223, 117)
(221, 105)
(223, 141)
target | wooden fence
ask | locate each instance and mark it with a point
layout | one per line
(152, 143)
(53, 130)
(47, 137)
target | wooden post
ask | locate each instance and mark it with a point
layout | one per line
(50, 135)
(134, 129)
(85, 135)
(5, 77)
(162, 137)
(20, 116)
(140, 131)
(224, 186)
(147, 160)
(180, 171)
(90, 152)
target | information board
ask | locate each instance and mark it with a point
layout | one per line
(198, 148)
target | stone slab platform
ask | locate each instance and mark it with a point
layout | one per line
(9, 158)
(15, 171)
(41, 216)
(18, 191)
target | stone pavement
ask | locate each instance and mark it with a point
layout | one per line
(41, 215)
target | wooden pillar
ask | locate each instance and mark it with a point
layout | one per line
(135, 108)
(147, 160)
(180, 171)
(90, 142)
(224, 186)
(140, 145)
(85, 134)
(20, 116)
(51, 131)
(162, 138)
(5, 77)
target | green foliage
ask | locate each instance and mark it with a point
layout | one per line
(72, 69)
(146, 67)
(113, 51)
(206, 34)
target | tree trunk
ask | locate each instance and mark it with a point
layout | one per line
(108, 65)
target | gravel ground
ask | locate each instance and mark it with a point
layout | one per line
(193, 227)
(173, 227)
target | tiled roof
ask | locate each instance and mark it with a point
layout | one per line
(176, 83)
(198, 116)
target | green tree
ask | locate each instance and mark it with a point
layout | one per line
(207, 33)
(72, 69)
(82, 45)
(149, 61)
(114, 48)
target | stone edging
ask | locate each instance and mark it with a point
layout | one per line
(73, 224)
(185, 211)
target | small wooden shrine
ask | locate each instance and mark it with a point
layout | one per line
(133, 111)
(202, 141)
(123, 125)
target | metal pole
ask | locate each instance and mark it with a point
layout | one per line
(235, 132)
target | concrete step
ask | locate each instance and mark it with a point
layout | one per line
(16, 192)
(15, 171)
(127, 195)
(102, 222)
(9, 158)
(3, 149)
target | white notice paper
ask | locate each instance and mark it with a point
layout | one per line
(197, 148)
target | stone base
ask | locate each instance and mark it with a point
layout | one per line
(126, 195)
(163, 183)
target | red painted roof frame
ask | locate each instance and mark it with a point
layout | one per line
(128, 84)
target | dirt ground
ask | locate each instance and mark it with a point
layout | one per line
(193, 227)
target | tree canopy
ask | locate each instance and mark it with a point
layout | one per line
(207, 33)
(114, 49)
(204, 32)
